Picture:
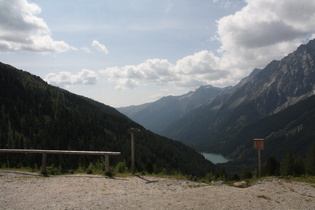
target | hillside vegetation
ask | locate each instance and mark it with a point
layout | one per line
(276, 104)
(35, 115)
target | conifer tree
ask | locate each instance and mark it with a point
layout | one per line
(310, 160)
(298, 167)
(271, 167)
(287, 165)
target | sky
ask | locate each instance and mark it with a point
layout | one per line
(130, 52)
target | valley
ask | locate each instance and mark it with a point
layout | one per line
(270, 103)
(275, 103)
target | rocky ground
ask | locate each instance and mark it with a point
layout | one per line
(24, 190)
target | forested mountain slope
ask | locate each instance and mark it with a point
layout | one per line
(279, 85)
(36, 115)
(289, 131)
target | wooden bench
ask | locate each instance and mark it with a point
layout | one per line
(45, 152)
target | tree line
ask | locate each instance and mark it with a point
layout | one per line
(35, 115)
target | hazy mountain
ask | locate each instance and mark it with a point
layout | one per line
(36, 115)
(279, 85)
(158, 115)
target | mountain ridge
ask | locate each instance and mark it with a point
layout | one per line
(35, 115)
(269, 91)
(156, 116)
(227, 123)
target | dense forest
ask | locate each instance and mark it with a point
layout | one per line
(35, 115)
(290, 131)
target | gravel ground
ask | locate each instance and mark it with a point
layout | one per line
(24, 190)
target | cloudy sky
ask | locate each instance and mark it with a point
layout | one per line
(129, 52)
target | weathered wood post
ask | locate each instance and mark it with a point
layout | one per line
(43, 168)
(259, 145)
(132, 131)
(107, 166)
(133, 153)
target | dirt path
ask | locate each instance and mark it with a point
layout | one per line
(19, 190)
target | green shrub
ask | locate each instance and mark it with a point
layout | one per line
(53, 170)
(90, 169)
(121, 167)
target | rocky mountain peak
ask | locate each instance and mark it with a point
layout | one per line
(281, 81)
(264, 92)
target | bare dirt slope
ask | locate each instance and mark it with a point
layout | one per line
(23, 190)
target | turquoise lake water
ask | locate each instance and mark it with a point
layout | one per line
(215, 158)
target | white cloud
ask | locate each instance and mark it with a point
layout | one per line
(100, 47)
(225, 3)
(199, 69)
(191, 71)
(23, 30)
(85, 49)
(200, 63)
(158, 71)
(126, 83)
(260, 32)
(64, 79)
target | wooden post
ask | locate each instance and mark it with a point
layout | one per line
(107, 164)
(132, 131)
(132, 153)
(259, 164)
(259, 145)
(43, 168)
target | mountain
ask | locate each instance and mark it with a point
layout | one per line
(158, 115)
(290, 130)
(279, 85)
(248, 78)
(276, 103)
(35, 115)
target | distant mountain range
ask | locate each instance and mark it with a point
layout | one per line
(159, 115)
(276, 103)
(215, 121)
(35, 115)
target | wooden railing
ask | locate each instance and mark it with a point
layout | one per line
(45, 152)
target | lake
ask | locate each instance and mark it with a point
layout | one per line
(215, 158)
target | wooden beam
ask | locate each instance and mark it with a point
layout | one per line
(58, 152)
(45, 152)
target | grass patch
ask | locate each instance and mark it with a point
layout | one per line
(22, 169)
(306, 178)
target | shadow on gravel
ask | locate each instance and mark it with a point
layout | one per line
(84, 176)
(20, 173)
(147, 181)
(115, 178)
(94, 177)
